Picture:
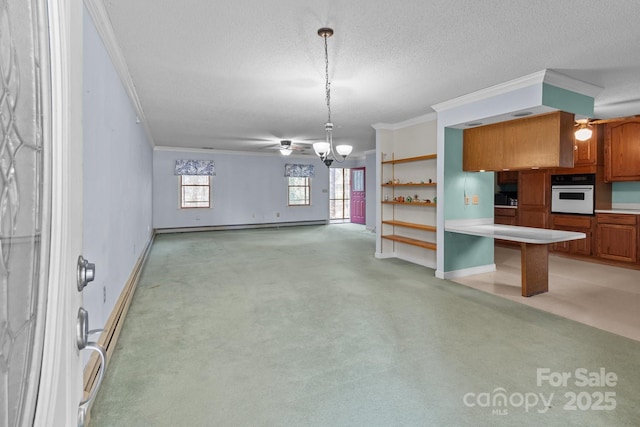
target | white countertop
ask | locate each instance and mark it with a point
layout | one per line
(513, 232)
(619, 211)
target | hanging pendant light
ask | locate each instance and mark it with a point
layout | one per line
(325, 149)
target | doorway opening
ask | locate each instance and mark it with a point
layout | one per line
(339, 193)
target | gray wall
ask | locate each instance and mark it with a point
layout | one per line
(371, 187)
(247, 189)
(117, 179)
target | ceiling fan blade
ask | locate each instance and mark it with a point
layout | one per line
(618, 119)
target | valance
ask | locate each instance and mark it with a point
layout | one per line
(195, 167)
(293, 170)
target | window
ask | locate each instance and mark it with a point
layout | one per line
(299, 191)
(339, 191)
(195, 191)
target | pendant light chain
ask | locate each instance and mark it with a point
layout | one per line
(327, 84)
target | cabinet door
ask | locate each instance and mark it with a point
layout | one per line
(586, 151)
(617, 242)
(533, 199)
(510, 177)
(622, 151)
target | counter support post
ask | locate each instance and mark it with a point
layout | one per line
(535, 268)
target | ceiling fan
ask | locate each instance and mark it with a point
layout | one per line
(287, 147)
(584, 131)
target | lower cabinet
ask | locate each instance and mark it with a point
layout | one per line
(505, 216)
(581, 224)
(617, 237)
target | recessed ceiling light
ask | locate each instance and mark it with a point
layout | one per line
(522, 114)
(473, 124)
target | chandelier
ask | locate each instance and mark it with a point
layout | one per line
(325, 149)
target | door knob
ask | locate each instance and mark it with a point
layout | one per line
(86, 272)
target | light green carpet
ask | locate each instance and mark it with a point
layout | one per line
(304, 327)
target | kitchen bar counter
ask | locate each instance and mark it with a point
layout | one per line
(534, 247)
(516, 233)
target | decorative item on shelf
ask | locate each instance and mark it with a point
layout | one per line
(421, 182)
(415, 197)
(325, 149)
(427, 201)
(408, 199)
(386, 197)
(390, 182)
(396, 181)
(430, 181)
(435, 199)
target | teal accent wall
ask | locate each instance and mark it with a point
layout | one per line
(462, 251)
(625, 192)
(567, 100)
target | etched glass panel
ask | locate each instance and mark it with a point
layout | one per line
(22, 172)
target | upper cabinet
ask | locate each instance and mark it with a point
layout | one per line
(543, 141)
(622, 151)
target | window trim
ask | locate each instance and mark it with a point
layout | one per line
(308, 191)
(181, 191)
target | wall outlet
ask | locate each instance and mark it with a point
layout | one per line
(476, 200)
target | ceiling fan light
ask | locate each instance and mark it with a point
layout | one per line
(285, 151)
(344, 150)
(321, 148)
(583, 133)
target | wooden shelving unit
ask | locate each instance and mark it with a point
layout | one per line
(396, 223)
(410, 241)
(411, 184)
(409, 159)
(423, 204)
(415, 226)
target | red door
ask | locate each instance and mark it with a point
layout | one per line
(358, 196)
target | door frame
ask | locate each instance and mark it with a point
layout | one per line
(60, 386)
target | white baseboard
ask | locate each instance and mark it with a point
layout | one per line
(239, 226)
(385, 255)
(467, 271)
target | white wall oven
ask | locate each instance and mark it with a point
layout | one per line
(573, 194)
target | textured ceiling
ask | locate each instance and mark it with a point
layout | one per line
(243, 74)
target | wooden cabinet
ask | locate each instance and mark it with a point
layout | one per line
(543, 141)
(581, 224)
(506, 216)
(402, 213)
(534, 198)
(622, 151)
(617, 237)
(508, 177)
(590, 152)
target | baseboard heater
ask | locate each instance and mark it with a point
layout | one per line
(241, 226)
(113, 326)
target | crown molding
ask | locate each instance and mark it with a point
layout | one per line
(550, 77)
(230, 152)
(101, 20)
(563, 81)
(429, 117)
(499, 89)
